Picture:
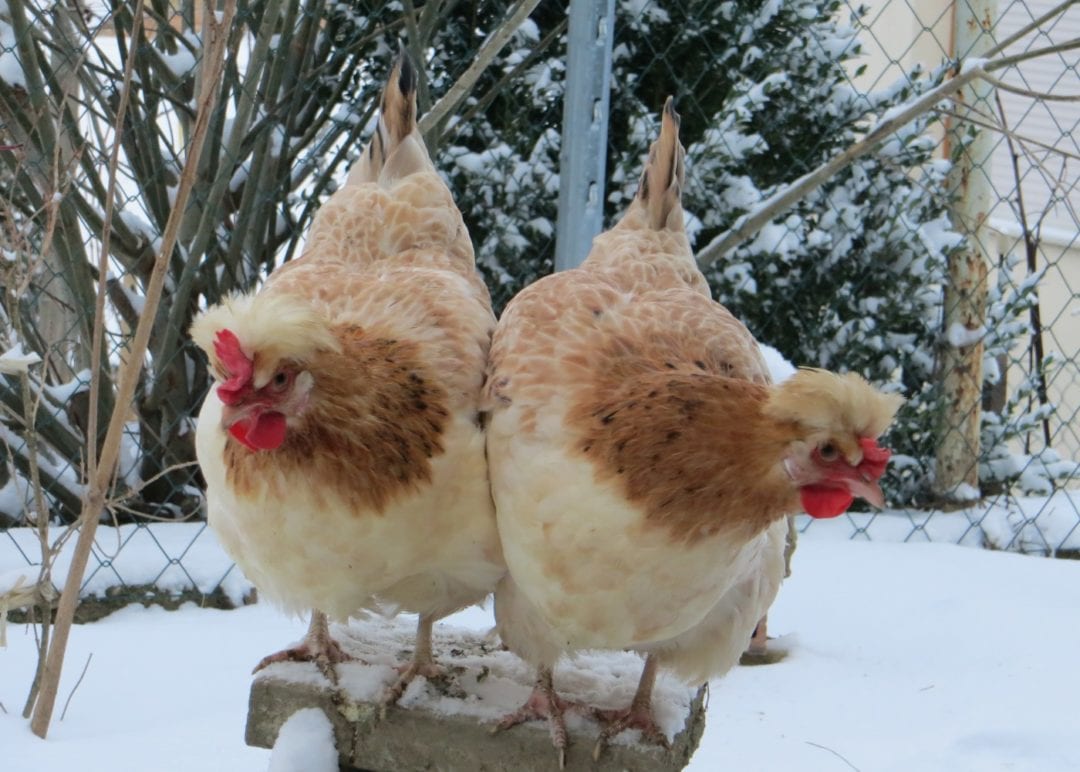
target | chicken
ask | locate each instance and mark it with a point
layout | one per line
(642, 465)
(342, 446)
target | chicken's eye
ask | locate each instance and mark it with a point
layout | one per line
(828, 452)
(279, 381)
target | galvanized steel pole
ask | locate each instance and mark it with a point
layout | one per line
(584, 134)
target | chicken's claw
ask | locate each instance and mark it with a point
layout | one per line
(539, 707)
(406, 674)
(317, 647)
(615, 722)
(330, 653)
(544, 703)
(422, 664)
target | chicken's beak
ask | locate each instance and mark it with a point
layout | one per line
(861, 485)
(233, 414)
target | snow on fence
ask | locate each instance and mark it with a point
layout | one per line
(846, 268)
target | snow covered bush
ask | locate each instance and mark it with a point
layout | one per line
(849, 279)
(1014, 453)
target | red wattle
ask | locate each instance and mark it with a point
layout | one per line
(239, 431)
(266, 432)
(824, 501)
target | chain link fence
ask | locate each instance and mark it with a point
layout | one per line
(1018, 139)
(851, 277)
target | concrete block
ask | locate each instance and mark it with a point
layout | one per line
(445, 723)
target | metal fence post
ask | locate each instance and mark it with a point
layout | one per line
(584, 134)
(964, 317)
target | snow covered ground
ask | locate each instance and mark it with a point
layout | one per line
(902, 657)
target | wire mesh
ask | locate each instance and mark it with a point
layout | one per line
(850, 278)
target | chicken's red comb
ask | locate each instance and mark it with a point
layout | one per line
(237, 366)
(875, 458)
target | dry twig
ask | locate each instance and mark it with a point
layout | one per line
(101, 472)
(75, 688)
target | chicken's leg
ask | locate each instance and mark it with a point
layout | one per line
(317, 647)
(759, 641)
(759, 652)
(638, 716)
(543, 703)
(422, 664)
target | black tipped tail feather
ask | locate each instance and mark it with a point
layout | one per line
(660, 188)
(396, 148)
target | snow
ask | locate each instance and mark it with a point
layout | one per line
(646, 9)
(15, 361)
(63, 392)
(138, 225)
(493, 682)
(937, 234)
(180, 64)
(973, 63)
(11, 70)
(16, 578)
(174, 557)
(901, 657)
(960, 336)
(964, 492)
(136, 300)
(64, 475)
(779, 368)
(15, 496)
(305, 743)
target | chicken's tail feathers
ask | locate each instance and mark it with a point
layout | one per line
(398, 105)
(660, 188)
(396, 149)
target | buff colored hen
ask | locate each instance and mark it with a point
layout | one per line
(342, 446)
(643, 466)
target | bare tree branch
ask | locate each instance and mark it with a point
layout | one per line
(1053, 13)
(78, 683)
(1031, 251)
(1041, 95)
(996, 126)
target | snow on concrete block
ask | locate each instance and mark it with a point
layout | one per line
(446, 723)
(305, 743)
